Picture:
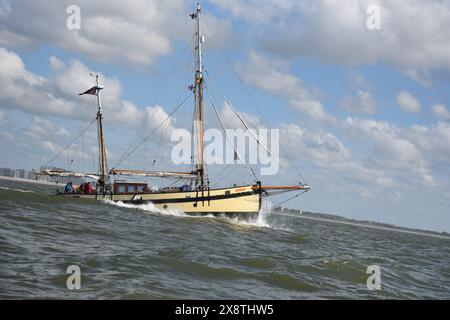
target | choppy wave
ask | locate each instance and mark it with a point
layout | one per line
(138, 251)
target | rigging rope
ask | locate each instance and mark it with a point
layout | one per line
(128, 154)
(251, 98)
(250, 170)
(238, 115)
(161, 93)
(72, 142)
(223, 177)
(246, 126)
(292, 198)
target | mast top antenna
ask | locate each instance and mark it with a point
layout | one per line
(197, 12)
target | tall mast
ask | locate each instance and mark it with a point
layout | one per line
(199, 100)
(102, 148)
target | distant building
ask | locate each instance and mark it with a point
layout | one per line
(7, 172)
(20, 173)
(31, 175)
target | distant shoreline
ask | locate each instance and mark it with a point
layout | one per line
(46, 183)
(372, 225)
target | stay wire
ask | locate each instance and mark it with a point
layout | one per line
(251, 97)
(250, 170)
(290, 199)
(128, 154)
(71, 143)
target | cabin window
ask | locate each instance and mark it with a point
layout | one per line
(131, 189)
(121, 189)
(140, 189)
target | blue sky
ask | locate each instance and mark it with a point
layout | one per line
(364, 113)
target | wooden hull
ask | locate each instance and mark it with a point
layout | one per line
(234, 200)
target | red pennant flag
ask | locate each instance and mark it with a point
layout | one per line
(91, 91)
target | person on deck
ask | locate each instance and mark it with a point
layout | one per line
(88, 189)
(68, 188)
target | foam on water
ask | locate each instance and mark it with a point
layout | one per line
(258, 221)
(15, 189)
(147, 207)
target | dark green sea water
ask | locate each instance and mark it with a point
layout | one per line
(128, 252)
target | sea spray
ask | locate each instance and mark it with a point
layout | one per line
(147, 207)
(259, 220)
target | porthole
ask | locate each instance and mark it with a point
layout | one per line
(165, 206)
(195, 205)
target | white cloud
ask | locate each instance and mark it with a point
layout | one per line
(408, 102)
(135, 32)
(329, 160)
(257, 11)
(413, 156)
(231, 121)
(364, 103)
(388, 143)
(264, 74)
(441, 112)
(58, 95)
(414, 35)
(22, 89)
(56, 64)
(51, 147)
(361, 100)
(43, 128)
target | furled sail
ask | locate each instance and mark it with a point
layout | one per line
(158, 174)
(60, 173)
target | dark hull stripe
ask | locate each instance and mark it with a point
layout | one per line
(234, 213)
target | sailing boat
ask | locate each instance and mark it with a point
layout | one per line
(244, 199)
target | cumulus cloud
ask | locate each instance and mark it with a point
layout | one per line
(414, 35)
(363, 102)
(264, 74)
(22, 89)
(135, 32)
(231, 121)
(328, 159)
(57, 95)
(440, 111)
(43, 128)
(415, 155)
(388, 144)
(408, 102)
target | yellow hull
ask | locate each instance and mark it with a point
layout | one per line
(228, 200)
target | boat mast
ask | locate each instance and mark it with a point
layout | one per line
(102, 148)
(199, 99)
